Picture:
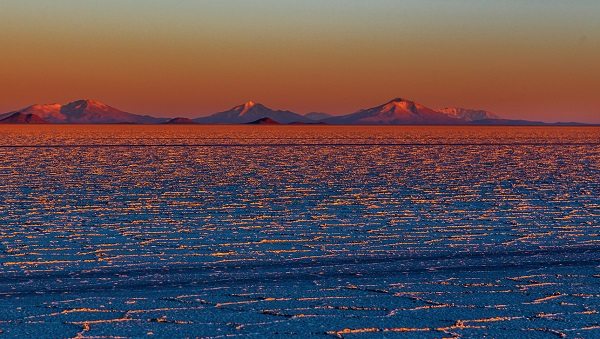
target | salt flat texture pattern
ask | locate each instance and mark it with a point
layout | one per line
(217, 231)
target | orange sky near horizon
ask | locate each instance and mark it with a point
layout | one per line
(535, 59)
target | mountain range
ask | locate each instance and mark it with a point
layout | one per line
(398, 111)
(78, 112)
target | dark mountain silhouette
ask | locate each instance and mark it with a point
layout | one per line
(264, 121)
(180, 121)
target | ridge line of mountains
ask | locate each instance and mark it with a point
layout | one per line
(394, 112)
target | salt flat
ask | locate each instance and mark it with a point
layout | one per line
(213, 231)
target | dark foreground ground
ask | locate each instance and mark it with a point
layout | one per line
(209, 231)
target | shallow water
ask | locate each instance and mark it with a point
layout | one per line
(309, 230)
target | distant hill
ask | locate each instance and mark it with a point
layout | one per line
(264, 121)
(84, 112)
(22, 118)
(249, 112)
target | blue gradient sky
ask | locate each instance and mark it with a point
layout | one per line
(527, 59)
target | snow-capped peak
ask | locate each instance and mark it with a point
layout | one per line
(399, 105)
(247, 106)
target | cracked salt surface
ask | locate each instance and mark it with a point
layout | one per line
(213, 231)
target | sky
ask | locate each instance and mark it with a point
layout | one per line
(529, 59)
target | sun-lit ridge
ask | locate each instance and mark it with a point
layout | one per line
(247, 106)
